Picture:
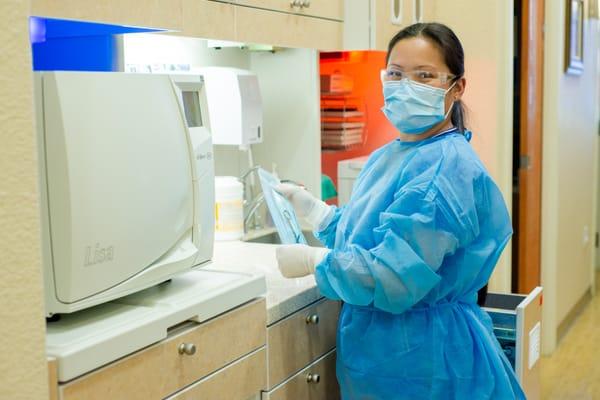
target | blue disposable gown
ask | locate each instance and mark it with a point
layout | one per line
(420, 236)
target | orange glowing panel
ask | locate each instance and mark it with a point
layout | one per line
(362, 68)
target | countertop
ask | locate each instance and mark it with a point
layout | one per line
(284, 296)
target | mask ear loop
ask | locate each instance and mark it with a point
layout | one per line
(453, 101)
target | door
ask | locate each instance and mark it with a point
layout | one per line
(529, 20)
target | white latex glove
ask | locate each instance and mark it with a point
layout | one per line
(305, 204)
(297, 260)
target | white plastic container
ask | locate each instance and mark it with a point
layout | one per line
(348, 171)
(229, 208)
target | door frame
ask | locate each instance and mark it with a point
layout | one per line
(531, 55)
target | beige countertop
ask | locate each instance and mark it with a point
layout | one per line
(284, 296)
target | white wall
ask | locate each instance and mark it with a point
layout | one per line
(288, 81)
(148, 48)
(485, 29)
(23, 373)
(569, 179)
(290, 88)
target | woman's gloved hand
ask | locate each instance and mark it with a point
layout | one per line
(297, 260)
(305, 204)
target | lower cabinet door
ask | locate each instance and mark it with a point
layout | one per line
(165, 367)
(241, 380)
(315, 382)
(312, 330)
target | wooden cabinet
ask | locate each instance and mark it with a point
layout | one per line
(330, 9)
(255, 25)
(313, 24)
(299, 339)
(233, 356)
(301, 354)
(189, 354)
(241, 380)
(52, 379)
(390, 16)
(310, 24)
(370, 24)
(315, 382)
(208, 19)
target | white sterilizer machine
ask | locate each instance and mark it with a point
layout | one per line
(348, 171)
(234, 105)
(127, 183)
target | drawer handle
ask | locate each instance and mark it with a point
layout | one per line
(313, 378)
(306, 3)
(312, 319)
(295, 3)
(187, 348)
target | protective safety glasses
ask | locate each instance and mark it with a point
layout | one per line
(424, 77)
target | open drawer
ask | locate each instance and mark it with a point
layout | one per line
(517, 326)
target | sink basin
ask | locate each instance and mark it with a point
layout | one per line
(273, 238)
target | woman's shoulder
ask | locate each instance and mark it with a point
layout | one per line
(447, 165)
(453, 153)
(377, 154)
(442, 153)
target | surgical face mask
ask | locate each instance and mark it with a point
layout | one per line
(414, 107)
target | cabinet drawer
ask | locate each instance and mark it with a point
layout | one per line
(331, 9)
(52, 379)
(300, 338)
(286, 30)
(517, 325)
(239, 381)
(315, 382)
(161, 370)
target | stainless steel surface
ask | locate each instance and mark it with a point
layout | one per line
(251, 213)
(251, 170)
(252, 202)
(273, 238)
(187, 348)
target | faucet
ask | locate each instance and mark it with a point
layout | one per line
(252, 213)
(245, 174)
(251, 203)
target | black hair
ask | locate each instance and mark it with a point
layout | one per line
(454, 57)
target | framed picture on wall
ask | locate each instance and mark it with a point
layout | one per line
(575, 16)
(594, 9)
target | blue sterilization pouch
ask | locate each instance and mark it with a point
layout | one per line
(282, 212)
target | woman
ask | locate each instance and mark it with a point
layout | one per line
(419, 237)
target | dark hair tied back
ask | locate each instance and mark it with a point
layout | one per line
(452, 51)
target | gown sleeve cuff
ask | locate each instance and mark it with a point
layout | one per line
(322, 281)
